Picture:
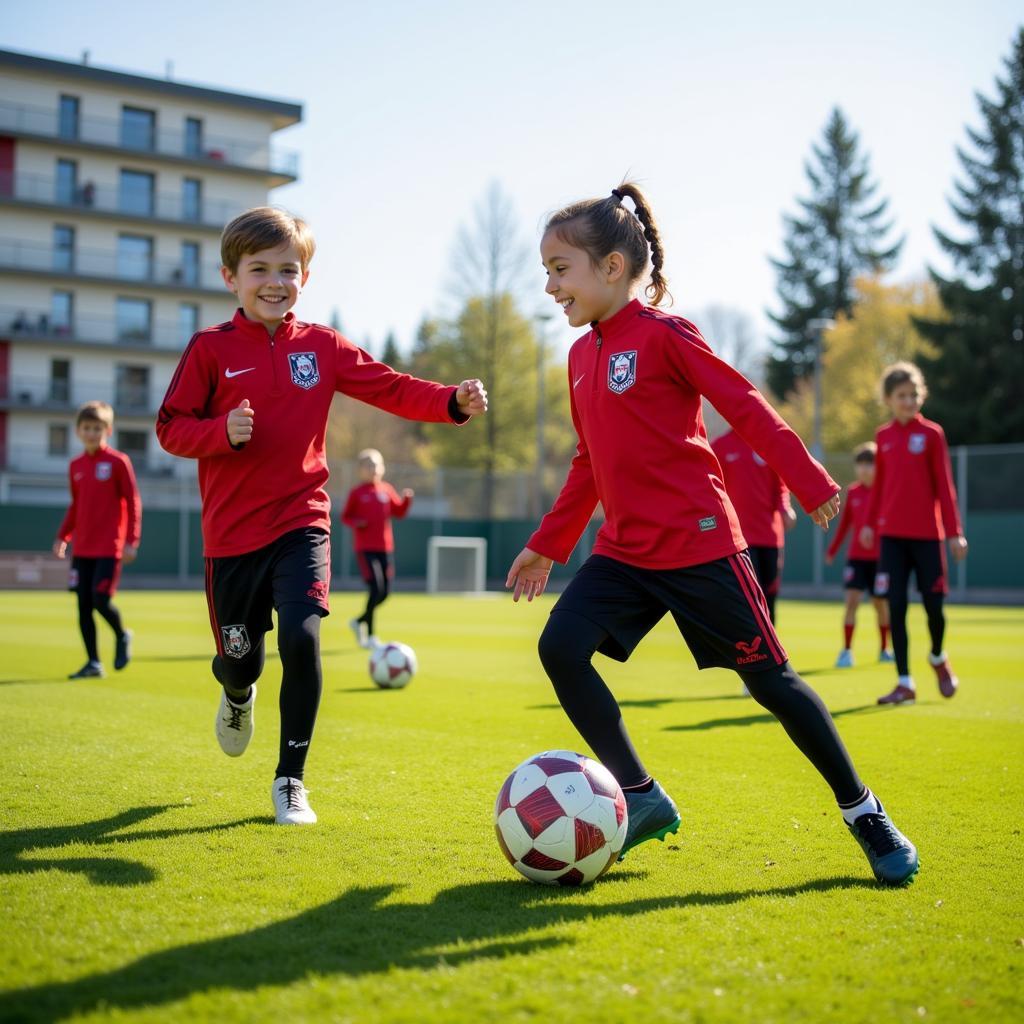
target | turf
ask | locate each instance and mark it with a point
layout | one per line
(143, 879)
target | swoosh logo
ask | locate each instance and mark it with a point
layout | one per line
(578, 379)
(235, 373)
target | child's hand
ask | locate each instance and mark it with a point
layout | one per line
(867, 537)
(788, 519)
(408, 494)
(240, 423)
(958, 545)
(823, 513)
(60, 548)
(471, 397)
(528, 575)
(130, 553)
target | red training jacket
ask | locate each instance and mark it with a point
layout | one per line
(275, 483)
(913, 496)
(852, 517)
(636, 381)
(760, 498)
(105, 511)
(372, 505)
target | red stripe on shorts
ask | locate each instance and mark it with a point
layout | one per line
(752, 592)
(209, 606)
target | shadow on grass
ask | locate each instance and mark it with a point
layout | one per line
(761, 719)
(49, 679)
(99, 870)
(355, 934)
(655, 702)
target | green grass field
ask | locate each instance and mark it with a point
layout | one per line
(143, 878)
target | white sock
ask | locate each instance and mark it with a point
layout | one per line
(907, 682)
(869, 805)
(937, 659)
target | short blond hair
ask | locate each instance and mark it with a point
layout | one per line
(372, 456)
(902, 373)
(265, 227)
(95, 412)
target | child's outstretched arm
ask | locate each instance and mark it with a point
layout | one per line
(528, 575)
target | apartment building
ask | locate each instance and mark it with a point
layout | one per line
(114, 189)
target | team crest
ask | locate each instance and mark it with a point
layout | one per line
(621, 371)
(916, 443)
(103, 470)
(304, 369)
(236, 641)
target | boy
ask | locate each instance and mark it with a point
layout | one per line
(861, 562)
(368, 513)
(103, 523)
(250, 401)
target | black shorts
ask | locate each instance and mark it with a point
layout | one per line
(241, 590)
(859, 574)
(368, 559)
(767, 561)
(718, 608)
(899, 555)
(94, 575)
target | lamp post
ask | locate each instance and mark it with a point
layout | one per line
(819, 326)
(542, 320)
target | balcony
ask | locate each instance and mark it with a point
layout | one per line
(109, 267)
(49, 468)
(26, 393)
(41, 327)
(213, 152)
(173, 208)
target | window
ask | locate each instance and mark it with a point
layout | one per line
(193, 136)
(132, 387)
(188, 321)
(67, 181)
(63, 247)
(58, 435)
(138, 128)
(134, 319)
(67, 121)
(61, 312)
(190, 263)
(191, 199)
(133, 444)
(136, 192)
(60, 380)
(135, 257)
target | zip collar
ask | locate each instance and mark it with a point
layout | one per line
(257, 331)
(619, 322)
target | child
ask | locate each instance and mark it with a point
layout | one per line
(104, 525)
(250, 400)
(670, 541)
(368, 512)
(762, 505)
(913, 509)
(861, 562)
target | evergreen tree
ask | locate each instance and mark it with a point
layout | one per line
(976, 381)
(391, 354)
(839, 234)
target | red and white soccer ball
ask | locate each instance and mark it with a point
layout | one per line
(392, 665)
(560, 818)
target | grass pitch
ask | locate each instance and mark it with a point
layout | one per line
(143, 879)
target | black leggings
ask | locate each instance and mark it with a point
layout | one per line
(379, 583)
(88, 602)
(566, 649)
(298, 642)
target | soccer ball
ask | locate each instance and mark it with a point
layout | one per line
(392, 665)
(560, 818)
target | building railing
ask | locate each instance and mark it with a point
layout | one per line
(60, 395)
(100, 131)
(130, 268)
(48, 466)
(27, 324)
(171, 206)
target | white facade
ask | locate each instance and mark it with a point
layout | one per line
(114, 189)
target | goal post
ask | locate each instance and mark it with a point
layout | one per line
(456, 565)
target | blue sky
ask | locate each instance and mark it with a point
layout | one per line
(413, 109)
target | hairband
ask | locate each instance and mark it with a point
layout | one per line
(618, 195)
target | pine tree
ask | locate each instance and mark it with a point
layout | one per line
(391, 354)
(839, 235)
(976, 382)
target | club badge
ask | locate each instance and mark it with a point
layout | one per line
(103, 470)
(621, 371)
(235, 641)
(304, 369)
(916, 443)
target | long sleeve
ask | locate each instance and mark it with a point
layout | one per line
(400, 504)
(942, 474)
(348, 513)
(133, 504)
(66, 529)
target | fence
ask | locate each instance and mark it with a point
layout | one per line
(451, 502)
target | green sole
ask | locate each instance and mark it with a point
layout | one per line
(656, 834)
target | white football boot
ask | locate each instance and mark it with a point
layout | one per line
(291, 806)
(235, 724)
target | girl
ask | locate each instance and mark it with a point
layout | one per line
(861, 562)
(913, 508)
(670, 541)
(368, 513)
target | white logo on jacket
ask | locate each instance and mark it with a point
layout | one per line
(621, 371)
(104, 470)
(304, 369)
(916, 443)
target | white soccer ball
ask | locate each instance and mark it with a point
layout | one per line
(560, 818)
(392, 665)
